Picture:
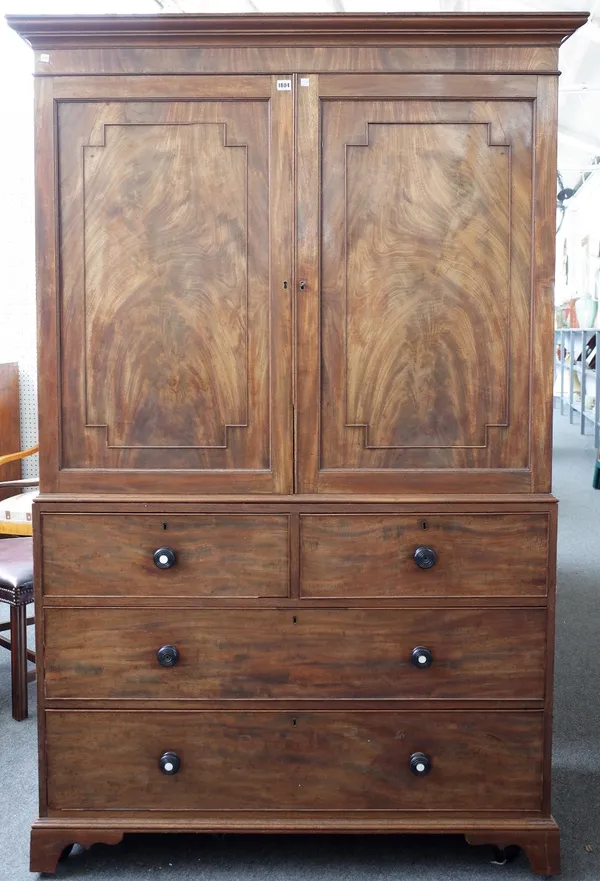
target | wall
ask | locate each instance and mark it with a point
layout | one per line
(578, 245)
(17, 267)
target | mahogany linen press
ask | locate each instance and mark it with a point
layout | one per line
(295, 543)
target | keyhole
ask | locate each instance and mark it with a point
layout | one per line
(294, 620)
(423, 524)
(164, 525)
(285, 285)
(294, 722)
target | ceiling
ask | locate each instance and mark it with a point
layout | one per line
(579, 101)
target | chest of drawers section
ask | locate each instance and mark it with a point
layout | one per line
(271, 661)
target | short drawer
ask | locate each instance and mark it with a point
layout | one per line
(373, 555)
(215, 555)
(343, 761)
(311, 654)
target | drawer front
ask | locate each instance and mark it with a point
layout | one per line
(371, 555)
(343, 761)
(215, 555)
(309, 654)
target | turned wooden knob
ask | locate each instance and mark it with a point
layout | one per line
(420, 764)
(425, 558)
(421, 657)
(164, 558)
(167, 656)
(169, 763)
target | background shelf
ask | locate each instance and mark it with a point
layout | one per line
(577, 379)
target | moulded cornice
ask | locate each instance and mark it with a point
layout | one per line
(535, 29)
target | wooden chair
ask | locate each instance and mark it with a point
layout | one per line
(16, 581)
(16, 589)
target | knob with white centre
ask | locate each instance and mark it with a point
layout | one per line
(420, 764)
(164, 558)
(169, 763)
(421, 657)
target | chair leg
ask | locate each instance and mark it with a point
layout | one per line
(18, 661)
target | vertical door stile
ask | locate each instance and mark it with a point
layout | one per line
(281, 214)
(308, 203)
(293, 297)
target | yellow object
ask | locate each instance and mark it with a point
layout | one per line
(15, 511)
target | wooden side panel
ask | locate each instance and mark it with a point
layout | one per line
(550, 656)
(542, 354)
(46, 272)
(215, 555)
(351, 654)
(170, 308)
(480, 555)
(423, 304)
(277, 761)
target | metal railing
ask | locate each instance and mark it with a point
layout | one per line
(577, 377)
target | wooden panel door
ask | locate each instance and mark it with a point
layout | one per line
(175, 206)
(422, 360)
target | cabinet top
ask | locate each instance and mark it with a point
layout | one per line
(70, 31)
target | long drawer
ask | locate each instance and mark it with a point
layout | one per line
(236, 654)
(214, 554)
(373, 555)
(343, 761)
